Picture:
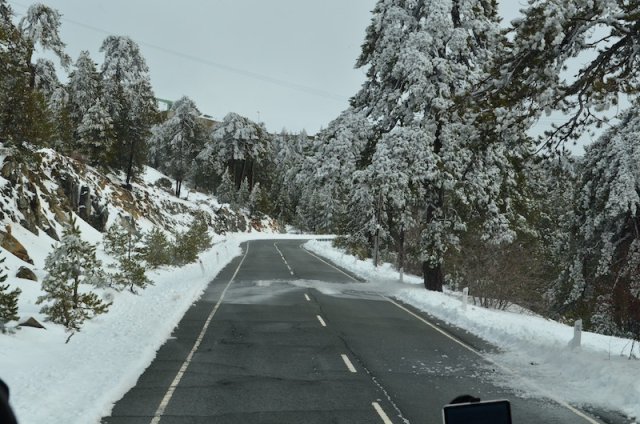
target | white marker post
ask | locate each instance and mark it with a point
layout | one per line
(577, 335)
(465, 298)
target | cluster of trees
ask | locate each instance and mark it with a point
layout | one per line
(73, 268)
(101, 115)
(432, 165)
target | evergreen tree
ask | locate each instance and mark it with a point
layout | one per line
(179, 139)
(424, 59)
(243, 194)
(125, 243)
(71, 266)
(157, 251)
(237, 145)
(83, 87)
(190, 243)
(95, 132)
(530, 77)
(22, 109)
(226, 191)
(8, 301)
(602, 282)
(130, 102)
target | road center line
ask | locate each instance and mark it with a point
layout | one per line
(324, 324)
(174, 384)
(380, 411)
(306, 296)
(283, 259)
(348, 363)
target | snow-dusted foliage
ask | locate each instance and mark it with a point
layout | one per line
(178, 140)
(325, 176)
(129, 98)
(72, 269)
(237, 144)
(41, 26)
(95, 132)
(602, 282)
(599, 36)
(83, 86)
(432, 162)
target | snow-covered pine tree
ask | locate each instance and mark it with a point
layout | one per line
(423, 60)
(329, 168)
(96, 133)
(83, 87)
(288, 152)
(8, 301)
(243, 194)
(238, 145)
(23, 114)
(226, 191)
(124, 242)
(41, 26)
(600, 37)
(602, 282)
(129, 98)
(179, 139)
(71, 267)
(157, 249)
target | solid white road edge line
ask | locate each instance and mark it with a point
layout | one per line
(348, 363)
(324, 324)
(327, 263)
(528, 382)
(167, 397)
(380, 411)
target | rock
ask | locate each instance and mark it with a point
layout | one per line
(26, 273)
(32, 322)
(13, 246)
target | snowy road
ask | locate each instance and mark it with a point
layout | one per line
(263, 344)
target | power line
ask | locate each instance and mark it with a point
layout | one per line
(249, 74)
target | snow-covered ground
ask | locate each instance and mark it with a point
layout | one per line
(534, 350)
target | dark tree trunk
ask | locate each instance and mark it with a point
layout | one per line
(178, 187)
(433, 278)
(130, 166)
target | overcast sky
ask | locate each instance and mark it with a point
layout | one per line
(287, 63)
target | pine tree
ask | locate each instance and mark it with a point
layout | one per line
(23, 113)
(424, 59)
(157, 249)
(95, 133)
(190, 243)
(237, 145)
(125, 243)
(242, 197)
(602, 282)
(179, 139)
(8, 301)
(71, 266)
(130, 101)
(84, 85)
(226, 191)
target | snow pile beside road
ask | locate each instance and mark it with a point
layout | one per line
(534, 349)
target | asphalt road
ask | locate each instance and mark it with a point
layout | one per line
(281, 336)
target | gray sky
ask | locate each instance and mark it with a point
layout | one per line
(287, 63)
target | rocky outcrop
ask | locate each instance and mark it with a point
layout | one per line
(26, 273)
(13, 246)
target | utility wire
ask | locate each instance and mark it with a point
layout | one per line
(249, 74)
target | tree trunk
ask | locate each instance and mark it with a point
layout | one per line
(178, 187)
(401, 255)
(130, 167)
(433, 278)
